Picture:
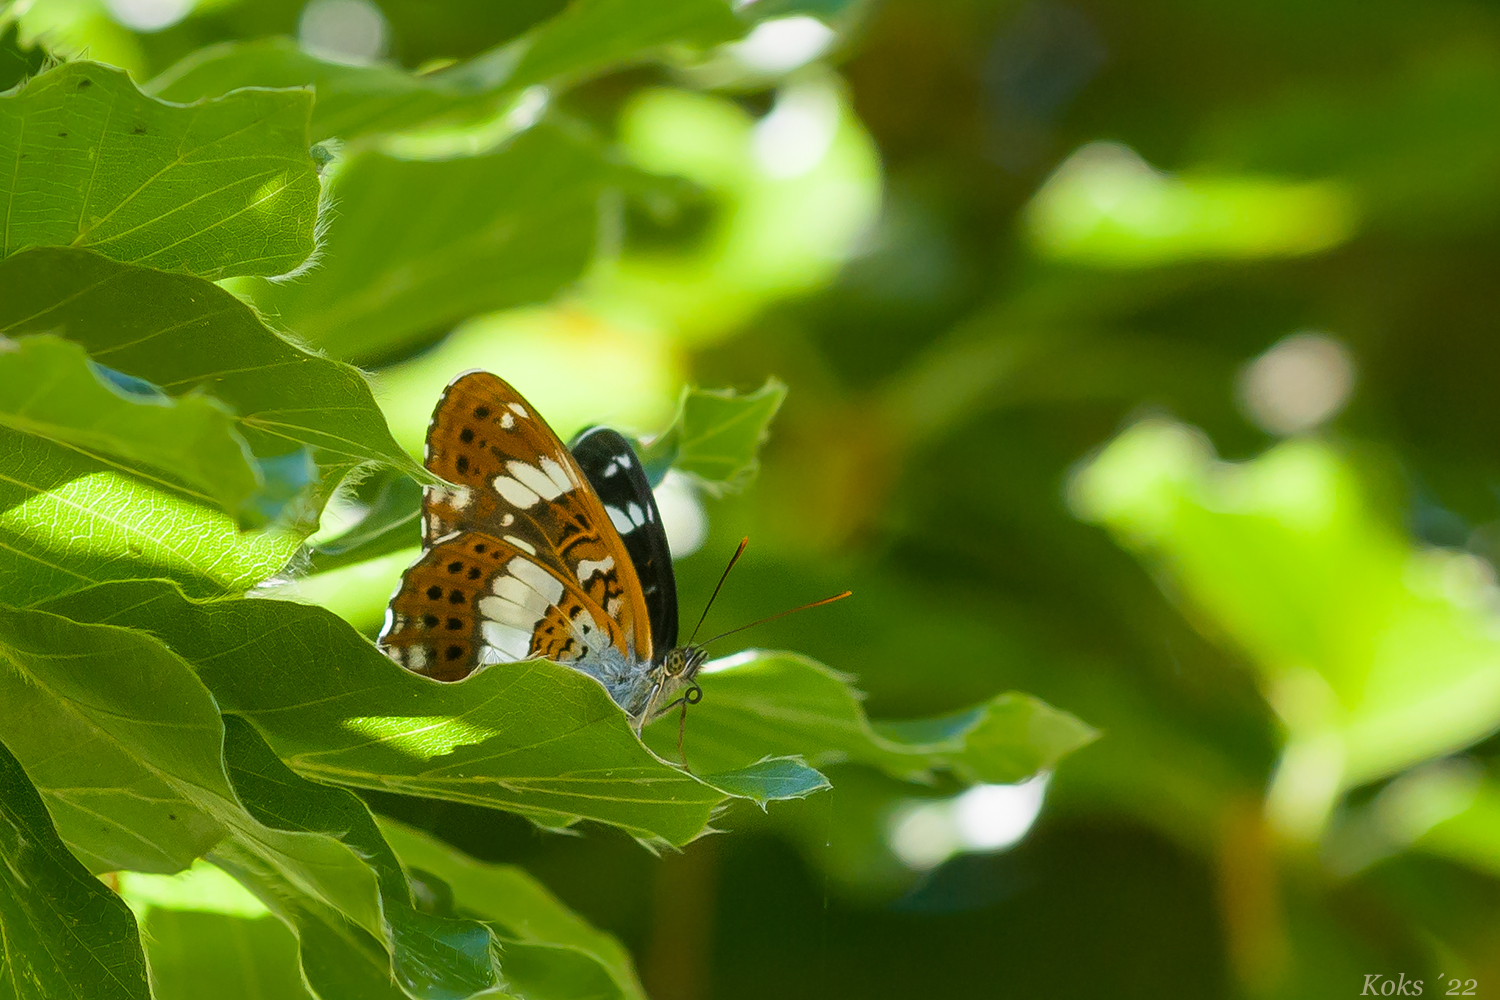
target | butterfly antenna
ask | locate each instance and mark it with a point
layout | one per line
(781, 614)
(725, 575)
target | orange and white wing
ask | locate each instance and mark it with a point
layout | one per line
(518, 492)
(474, 599)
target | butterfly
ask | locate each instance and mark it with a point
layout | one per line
(534, 550)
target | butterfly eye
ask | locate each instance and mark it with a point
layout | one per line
(675, 662)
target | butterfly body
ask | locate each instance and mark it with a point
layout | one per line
(523, 558)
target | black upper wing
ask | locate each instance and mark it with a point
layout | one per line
(614, 471)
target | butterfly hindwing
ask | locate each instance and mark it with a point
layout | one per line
(614, 471)
(474, 599)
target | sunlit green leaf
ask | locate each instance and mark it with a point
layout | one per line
(69, 519)
(48, 388)
(219, 189)
(535, 738)
(779, 703)
(716, 436)
(65, 935)
(183, 334)
(417, 246)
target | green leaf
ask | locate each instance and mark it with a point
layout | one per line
(215, 956)
(1378, 653)
(143, 773)
(69, 520)
(186, 335)
(779, 703)
(50, 388)
(119, 736)
(716, 436)
(65, 935)
(535, 738)
(391, 522)
(218, 189)
(519, 908)
(417, 246)
(128, 748)
(771, 778)
(353, 101)
(17, 61)
(341, 960)
(592, 35)
(208, 938)
(432, 957)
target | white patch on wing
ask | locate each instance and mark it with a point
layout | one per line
(536, 578)
(504, 612)
(506, 639)
(416, 658)
(588, 567)
(510, 589)
(518, 409)
(507, 421)
(637, 517)
(618, 518)
(506, 520)
(558, 475)
(514, 492)
(535, 479)
(521, 544)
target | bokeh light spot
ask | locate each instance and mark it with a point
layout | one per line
(925, 833)
(149, 15)
(783, 44)
(345, 31)
(1302, 382)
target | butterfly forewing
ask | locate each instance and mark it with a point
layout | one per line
(614, 471)
(519, 494)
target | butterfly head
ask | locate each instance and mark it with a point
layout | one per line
(677, 683)
(684, 662)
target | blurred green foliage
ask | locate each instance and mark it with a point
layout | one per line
(1137, 359)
